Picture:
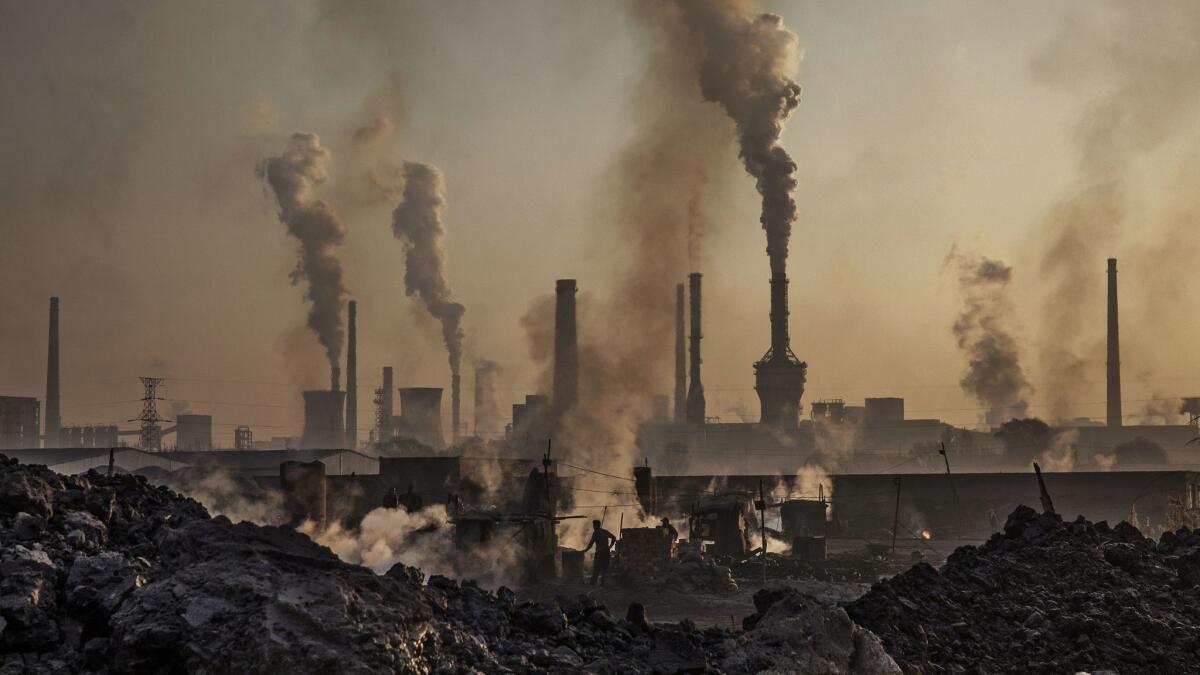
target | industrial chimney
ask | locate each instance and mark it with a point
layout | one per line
(352, 378)
(779, 377)
(455, 407)
(695, 397)
(1114, 350)
(680, 358)
(566, 350)
(53, 412)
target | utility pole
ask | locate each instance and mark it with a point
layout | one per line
(953, 491)
(896, 516)
(151, 435)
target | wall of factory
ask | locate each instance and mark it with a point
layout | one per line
(266, 462)
(20, 422)
(863, 505)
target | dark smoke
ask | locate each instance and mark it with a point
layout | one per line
(292, 177)
(745, 69)
(984, 333)
(488, 415)
(417, 222)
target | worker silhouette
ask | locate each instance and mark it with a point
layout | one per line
(411, 501)
(670, 530)
(391, 500)
(603, 540)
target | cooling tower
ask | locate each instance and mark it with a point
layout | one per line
(192, 432)
(323, 419)
(421, 415)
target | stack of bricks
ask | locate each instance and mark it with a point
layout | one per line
(645, 551)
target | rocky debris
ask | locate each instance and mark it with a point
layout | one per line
(864, 565)
(112, 575)
(695, 573)
(1046, 596)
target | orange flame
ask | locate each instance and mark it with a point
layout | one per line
(926, 534)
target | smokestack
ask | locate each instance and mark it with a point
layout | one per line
(695, 397)
(680, 359)
(1114, 350)
(352, 378)
(386, 407)
(779, 377)
(478, 400)
(53, 402)
(455, 407)
(566, 350)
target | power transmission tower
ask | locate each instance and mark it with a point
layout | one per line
(151, 436)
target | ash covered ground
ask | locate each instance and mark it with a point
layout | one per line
(113, 575)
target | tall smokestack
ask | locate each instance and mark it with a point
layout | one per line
(455, 407)
(695, 397)
(566, 350)
(680, 358)
(779, 377)
(53, 403)
(352, 377)
(1114, 349)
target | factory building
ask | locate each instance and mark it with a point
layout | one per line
(20, 422)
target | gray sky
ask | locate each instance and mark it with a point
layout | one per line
(131, 131)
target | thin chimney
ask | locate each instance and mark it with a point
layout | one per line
(695, 398)
(386, 406)
(566, 350)
(680, 358)
(53, 414)
(455, 407)
(1114, 350)
(352, 378)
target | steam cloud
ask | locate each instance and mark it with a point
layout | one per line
(293, 177)
(745, 69)
(984, 333)
(417, 222)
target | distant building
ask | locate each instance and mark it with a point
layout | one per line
(193, 432)
(20, 421)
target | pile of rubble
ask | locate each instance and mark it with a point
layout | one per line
(860, 566)
(112, 575)
(1046, 596)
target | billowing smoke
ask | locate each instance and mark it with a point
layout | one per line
(1142, 67)
(984, 332)
(417, 222)
(293, 176)
(746, 65)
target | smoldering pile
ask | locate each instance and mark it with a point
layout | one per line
(1046, 596)
(110, 574)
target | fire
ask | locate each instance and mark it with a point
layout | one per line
(926, 534)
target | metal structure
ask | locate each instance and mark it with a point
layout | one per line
(779, 376)
(352, 379)
(53, 413)
(150, 438)
(1114, 350)
(384, 408)
(695, 396)
(243, 438)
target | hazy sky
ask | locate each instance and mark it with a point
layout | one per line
(131, 132)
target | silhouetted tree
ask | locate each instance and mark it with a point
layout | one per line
(1024, 439)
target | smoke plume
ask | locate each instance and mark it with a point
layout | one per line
(1143, 67)
(293, 176)
(488, 414)
(983, 330)
(417, 222)
(745, 68)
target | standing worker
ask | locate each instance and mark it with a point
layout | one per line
(603, 541)
(672, 533)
